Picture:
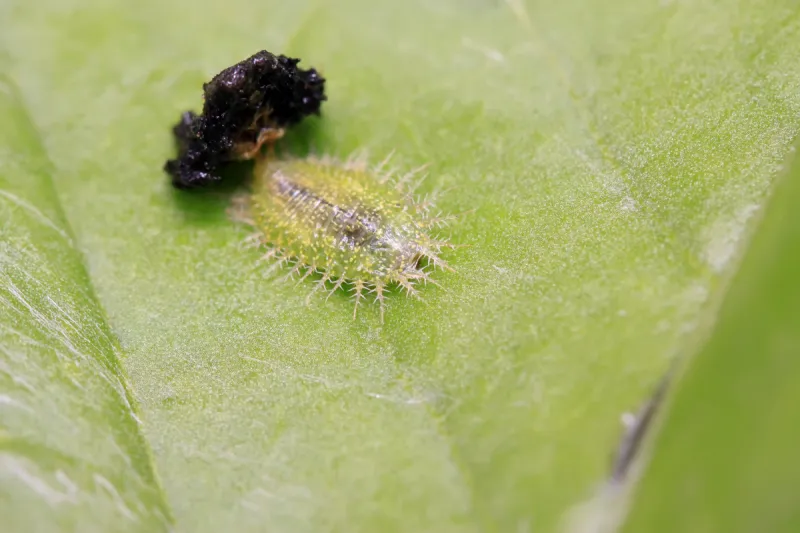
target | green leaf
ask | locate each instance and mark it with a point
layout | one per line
(72, 455)
(614, 154)
(726, 459)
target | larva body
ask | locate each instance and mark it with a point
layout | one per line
(346, 222)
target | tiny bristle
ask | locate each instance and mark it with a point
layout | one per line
(269, 255)
(254, 240)
(387, 176)
(424, 204)
(309, 270)
(358, 161)
(438, 221)
(438, 262)
(424, 277)
(379, 297)
(358, 287)
(320, 284)
(408, 285)
(378, 169)
(336, 286)
(296, 268)
(406, 183)
(281, 262)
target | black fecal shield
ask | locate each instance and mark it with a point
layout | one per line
(263, 91)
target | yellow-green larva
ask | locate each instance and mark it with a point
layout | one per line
(356, 226)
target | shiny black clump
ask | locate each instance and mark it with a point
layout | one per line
(244, 104)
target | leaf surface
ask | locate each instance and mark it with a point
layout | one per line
(614, 154)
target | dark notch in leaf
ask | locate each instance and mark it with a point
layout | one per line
(246, 105)
(635, 433)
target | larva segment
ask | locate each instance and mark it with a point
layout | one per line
(356, 227)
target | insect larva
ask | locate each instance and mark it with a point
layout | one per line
(353, 225)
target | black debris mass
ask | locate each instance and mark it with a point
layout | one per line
(263, 92)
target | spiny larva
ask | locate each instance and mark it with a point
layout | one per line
(355, 226)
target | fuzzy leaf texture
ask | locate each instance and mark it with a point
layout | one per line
(152, 377)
